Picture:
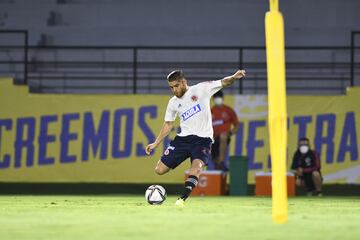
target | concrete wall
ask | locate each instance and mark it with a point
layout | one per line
(187, 22)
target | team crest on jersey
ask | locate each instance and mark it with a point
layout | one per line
(191, 112)
(194, 98)
(224, 115)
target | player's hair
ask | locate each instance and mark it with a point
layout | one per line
(219, 94)
(175, 76)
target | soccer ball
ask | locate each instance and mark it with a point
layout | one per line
(155, 195)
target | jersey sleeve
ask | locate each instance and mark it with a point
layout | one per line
(170, 114)
(211, 87)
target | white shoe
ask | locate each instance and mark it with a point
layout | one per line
(180, 202)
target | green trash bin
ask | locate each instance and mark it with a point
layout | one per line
(238, 166)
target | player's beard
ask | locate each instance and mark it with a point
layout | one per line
(181, 92)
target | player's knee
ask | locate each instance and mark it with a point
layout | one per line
(159, 171)
(195, 171)
(316, 174)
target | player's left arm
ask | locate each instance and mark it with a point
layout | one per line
(227, 81)
(168, 125)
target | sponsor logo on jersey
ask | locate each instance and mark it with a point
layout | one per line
(218, 122)
(191, 112)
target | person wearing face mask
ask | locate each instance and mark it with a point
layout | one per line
(225, 123)
(306, 164)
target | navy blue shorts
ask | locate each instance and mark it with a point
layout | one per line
(182, 148)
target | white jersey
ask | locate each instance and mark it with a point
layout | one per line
(193, 108)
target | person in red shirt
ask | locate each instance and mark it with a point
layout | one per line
(225, 124)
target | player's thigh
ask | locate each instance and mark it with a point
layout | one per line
(175, 153)
(202, 150)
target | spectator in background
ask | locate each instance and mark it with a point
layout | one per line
(306, 163)
(225, 124)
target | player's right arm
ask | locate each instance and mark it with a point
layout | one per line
(209, 88)
(227, 81)
(168, 125)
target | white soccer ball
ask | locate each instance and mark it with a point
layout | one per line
(155, 195)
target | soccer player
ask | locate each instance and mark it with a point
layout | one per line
(192, 105)
(225, 124)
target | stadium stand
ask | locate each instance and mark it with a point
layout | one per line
(72, 50)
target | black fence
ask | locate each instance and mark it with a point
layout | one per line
(129, 69)
(353, 54)
(23, 38)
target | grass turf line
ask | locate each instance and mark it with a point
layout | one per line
(130, 217)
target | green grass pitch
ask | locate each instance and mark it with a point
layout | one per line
(130, 217)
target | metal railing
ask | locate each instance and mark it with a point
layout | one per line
(24, 48)
(129, 69)
(352, 60)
